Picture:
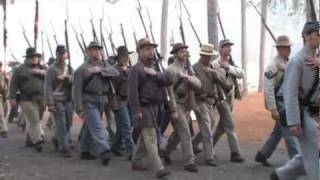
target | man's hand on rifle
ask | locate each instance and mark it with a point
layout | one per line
(183, 75)
(13, 103)
(94, 69)
(61, 77)
(138, 116)
(275, 114)
(150, 71)
(51, 108)
(174, 115)
(312, 61)
(296, 130)
(39, 71)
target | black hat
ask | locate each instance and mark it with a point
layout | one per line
(310, 27)
(94, 44)
(61, 49)
(30, 52)
(123, 51)
(176, 47)
(51, 61)
(225, 42)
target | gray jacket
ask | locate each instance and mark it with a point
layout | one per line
(298, 81)
(89, 87)
(29, 85)
(146, 93)
(55, 89)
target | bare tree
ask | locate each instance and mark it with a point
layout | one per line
(213, 33)
(264, 6)
(164, 28)
(244, 44)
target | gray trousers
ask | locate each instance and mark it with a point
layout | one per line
(274, 139)
(63, 120)
(226, 125)
(307, 162)
(205, 120)
(181, 133)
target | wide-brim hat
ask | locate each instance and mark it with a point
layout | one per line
(283, 41)
(208, 50)
(94, 44)
(122, 51)
(176, 47)
(31, 52)
(225, 42)
(145, 42)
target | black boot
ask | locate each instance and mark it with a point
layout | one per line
(262, 159)
(38, 146)
(105, 158)
(87, 156)
(237, 158)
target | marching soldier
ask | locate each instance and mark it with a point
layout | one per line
(273, 81)
(146, 95)
(206, 97)
(28, 79)
(224, 108)
(302, 99)
(181, 88)
(3, 99)
(122, 118)
(89, 93)
(58, 95)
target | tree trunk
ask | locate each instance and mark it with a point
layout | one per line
(164, 28)
(213, 33)
(264, 5)
(244, 44)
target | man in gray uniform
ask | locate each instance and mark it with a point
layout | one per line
(28, 79)
(146, 94)
(91, 85)
(120, 108)
(184, 83)
(273, 80)
(58, 89)
(301, 97)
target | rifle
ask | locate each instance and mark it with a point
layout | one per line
(54, 34)
(67, 41)
(42, 46)
(237, 92)
(36, 20)
(141, 18)
(113, 47)
(49, 45)
(156, 52)
(103, 42)
(124, 40)
(82, 38)
(190, 22)
(263, 20)
(94, 33)
(25, 35)
(77, 38)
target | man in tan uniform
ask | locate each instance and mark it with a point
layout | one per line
(206, 97)
(226, 125)
(183, 84)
